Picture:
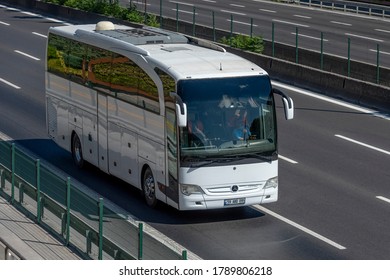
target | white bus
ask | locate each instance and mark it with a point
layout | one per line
(183, 120)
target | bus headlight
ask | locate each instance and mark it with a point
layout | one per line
(271, 183)
(190, 189)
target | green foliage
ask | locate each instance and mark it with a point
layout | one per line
(151, 20)
(109, 8)
(85, 5)
(135, 17)
(112, 8)
(253, 44)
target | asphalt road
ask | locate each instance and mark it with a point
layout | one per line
(365, 33)
(334, 175)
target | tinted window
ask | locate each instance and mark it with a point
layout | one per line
(124, 81)
(99, 68)
(148, 92)
(76, 62)
(102, 70)
(168, 82)
(57, 55)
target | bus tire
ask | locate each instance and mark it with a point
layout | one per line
(149, 188)
(77, 152)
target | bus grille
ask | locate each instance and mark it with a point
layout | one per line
(235, 188)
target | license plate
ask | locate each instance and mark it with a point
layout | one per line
(234, 201)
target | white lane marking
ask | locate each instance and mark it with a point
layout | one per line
(57, 21)
(383, 30)
(383, 198)
(341, 23)
(324, 98)
(240, 22)
(4, 23)
(290, 23)
(300, 16)
(381, 52)
(12, 9)
(363, 37)
(210, 1)
(363, 144)
(185, 12)
(309, 37)
(39, 34)
(30, 14)
(288, 159)
(182, 3)
(143, 3)
(234, 13)
(5, 137)
(27, 55)
(236, 5)
(268, 11)
(9, 83)
(331, 100)
(302, 228)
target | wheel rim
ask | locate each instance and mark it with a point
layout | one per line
(149, 187)
(77, 151)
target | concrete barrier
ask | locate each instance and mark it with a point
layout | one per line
(331, 81)
(333, 64)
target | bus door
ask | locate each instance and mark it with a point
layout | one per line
(172, 189)
(102, 131)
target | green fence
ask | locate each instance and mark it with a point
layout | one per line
(185, 18)
(82, 221)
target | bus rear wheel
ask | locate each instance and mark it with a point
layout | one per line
(77, 152)
(149, 188)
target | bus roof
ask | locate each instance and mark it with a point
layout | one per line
(181, 56)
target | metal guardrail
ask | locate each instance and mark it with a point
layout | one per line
(81, 221)
(348, 6)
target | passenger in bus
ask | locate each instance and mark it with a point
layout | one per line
(239, 124)
(196, 133)
(241, 133)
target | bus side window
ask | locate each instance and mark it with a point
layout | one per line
(76, 62)
(57, 55)
(99, 69)
(147, 92)
(124, 81)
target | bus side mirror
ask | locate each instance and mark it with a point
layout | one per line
(288, 104)
(181, 114)
(181, 110)
(288, 108)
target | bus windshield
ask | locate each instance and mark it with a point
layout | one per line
(228, 118)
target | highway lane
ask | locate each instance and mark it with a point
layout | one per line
(338, 180)
(364, 32)
(329, 194)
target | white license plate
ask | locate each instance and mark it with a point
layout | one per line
(234, 201)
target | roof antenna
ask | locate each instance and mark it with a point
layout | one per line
(220, 66)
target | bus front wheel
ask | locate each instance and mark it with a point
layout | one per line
(77, 152)
(149, 188)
